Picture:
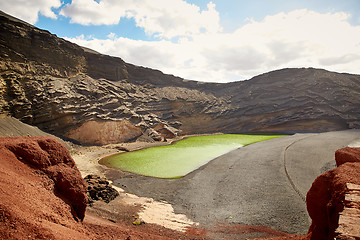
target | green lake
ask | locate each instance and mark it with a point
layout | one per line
(182, 157)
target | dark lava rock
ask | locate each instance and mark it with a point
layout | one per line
(80, 94)
(99, 189)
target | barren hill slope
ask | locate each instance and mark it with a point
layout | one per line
(303, 99)
(77, 93)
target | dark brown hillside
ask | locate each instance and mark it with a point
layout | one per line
(77, 93)
(298, 100)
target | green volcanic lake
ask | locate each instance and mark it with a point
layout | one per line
(182, 157)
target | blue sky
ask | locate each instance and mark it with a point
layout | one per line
(218, 40)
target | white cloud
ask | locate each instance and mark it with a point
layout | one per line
(29, 10)
(300, 38)
(163, 18)
(90, 12)
(168, 19)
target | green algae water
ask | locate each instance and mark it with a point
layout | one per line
(182, 157)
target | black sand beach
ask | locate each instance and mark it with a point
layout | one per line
(260, 184)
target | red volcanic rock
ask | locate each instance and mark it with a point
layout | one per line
(54, 160)
(317, 199)
(325, 199)
(349, 224)
(42, 192)
(347, 154)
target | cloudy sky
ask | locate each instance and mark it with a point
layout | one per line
(218, 40)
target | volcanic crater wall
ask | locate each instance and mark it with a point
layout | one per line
(59, 86)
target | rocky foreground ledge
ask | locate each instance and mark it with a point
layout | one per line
(333, 201)
(43, 196)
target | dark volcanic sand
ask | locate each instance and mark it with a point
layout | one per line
(249, 185)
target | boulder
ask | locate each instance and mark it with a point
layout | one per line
(154, 135)
(348, 154)
(42, 192)
(349, 224)
(99, 188)
(53, 159)
(166, 131)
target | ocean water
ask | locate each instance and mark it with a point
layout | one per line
(182, 157)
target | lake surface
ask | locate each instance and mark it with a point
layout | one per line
(182, 157)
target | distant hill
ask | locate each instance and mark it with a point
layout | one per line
(77, 93)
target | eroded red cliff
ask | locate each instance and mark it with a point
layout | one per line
(42, 192)
(326, 198)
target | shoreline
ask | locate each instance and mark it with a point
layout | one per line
(141, 209)
(147, 209)
(81, 154)
(184, 195)
(87, 159)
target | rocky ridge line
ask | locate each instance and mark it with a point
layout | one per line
(66, 90)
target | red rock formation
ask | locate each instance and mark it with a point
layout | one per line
(48, 157)
(42, 192)
(347, 154)
(349, 224)
(325, 199)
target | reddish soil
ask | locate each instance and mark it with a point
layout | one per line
(242, 231)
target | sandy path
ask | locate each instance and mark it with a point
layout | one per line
(309, 157)
(248, 185)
